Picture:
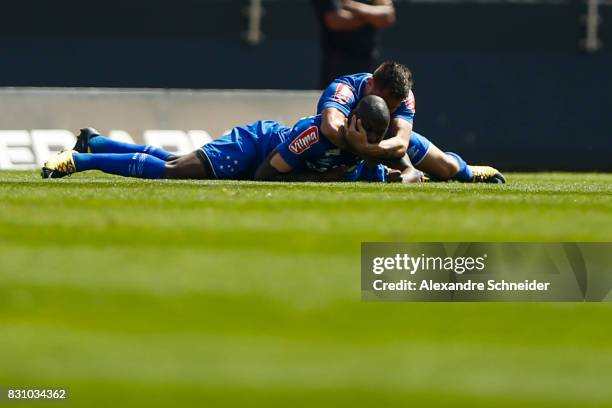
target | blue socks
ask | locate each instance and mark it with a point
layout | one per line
(101, 144)
(129, 165)
(464, 174)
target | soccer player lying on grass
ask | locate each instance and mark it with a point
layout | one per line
(393, 82)
(264, 150)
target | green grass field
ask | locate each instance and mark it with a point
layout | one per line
(134, 293)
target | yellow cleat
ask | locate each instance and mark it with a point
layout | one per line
(487, 174)
(60, 165)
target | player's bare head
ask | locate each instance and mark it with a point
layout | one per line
(374, 115)
(391, 81)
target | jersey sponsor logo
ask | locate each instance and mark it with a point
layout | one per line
(410, 102)
(306, 139)
(343, 94)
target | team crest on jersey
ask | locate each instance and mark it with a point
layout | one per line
(306, 139)
(410, 102)
(343, 94)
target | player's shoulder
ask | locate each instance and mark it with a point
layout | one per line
(345, 90)
(307, 125)
(307, 121)
(354, 80)
(306, 133)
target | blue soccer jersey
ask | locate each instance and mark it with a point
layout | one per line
(239, 154)
(305, 147)
(346, 92)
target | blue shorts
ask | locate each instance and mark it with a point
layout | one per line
(418, 148)
(238, 154)
(230, 159)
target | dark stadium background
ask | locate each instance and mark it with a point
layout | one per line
(509, 80)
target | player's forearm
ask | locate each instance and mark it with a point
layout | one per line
(402, 163)
(343, 20)
(380, 16)
(393, 148)
(339, 140)
(402, 171)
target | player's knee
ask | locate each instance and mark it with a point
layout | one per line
(185, 167)
(176, 169)
(174, 163)
(170, 169)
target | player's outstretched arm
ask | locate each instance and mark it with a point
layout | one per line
(275, 168)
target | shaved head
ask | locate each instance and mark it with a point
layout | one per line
(374, 115)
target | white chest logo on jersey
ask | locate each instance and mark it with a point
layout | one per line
(343, 94)
(306, 139)
(332, 152)
(410, 102)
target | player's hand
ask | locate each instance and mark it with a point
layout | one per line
(407, 176)
(393, 175)
(356, 135)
